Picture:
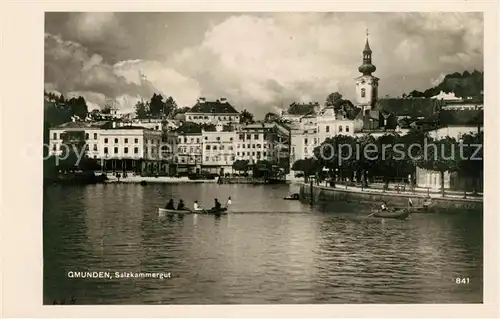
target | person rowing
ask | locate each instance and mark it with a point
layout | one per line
(181, 205)
(170, 204)
(217, 205)
(383, 207)
(197, 207)
(228, 201)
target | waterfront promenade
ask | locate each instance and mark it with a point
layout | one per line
(322, 194)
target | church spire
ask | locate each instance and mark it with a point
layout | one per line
(367, 68)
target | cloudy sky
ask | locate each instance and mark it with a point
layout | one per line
(259, 61)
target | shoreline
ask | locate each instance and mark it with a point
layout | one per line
(326, 195)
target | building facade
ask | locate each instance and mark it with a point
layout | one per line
(212, 112)
(218, 149)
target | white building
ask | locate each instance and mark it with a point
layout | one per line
(218, 149)
(115, 146)
(212, 112)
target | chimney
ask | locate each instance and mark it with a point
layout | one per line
(201, 100)
(223, 100)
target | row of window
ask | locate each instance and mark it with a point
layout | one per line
(340, 129)
(253, 154)
(192, 140)
(220, 147)
(125, 150)
(249, 136)
(205, 117)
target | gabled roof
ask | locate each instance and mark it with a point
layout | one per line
(213, 107)
(409, 107)
(189, 128)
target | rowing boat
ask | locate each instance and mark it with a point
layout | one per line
(212, 211)
(164, 211)
(294, 196)
(399, 213)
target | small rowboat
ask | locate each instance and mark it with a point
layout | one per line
(212, 211)
(399, 213)
(292, 197)
(164, 211)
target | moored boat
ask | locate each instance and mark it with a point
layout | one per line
(294, 196)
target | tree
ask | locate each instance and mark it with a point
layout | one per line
(308, 166)
(333, 99)
(141, 109)
(156, 105)
(240, 165)
(78, 106)
(246, 117)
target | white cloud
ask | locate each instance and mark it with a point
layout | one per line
(259, 61)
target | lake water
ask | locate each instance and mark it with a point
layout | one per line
(267, 251)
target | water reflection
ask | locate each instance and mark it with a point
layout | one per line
(268, 251)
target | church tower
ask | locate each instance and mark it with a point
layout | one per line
(367, 84)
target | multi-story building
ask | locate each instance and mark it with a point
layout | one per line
(212, 112)
(264, 141)
(186, 143)
(218, 149)
(115, 146)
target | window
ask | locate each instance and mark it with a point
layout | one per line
(242, 136)
(222, 147)
(214, 147)
(265, 154)
(95, 147)
(95, 136)
(231, 139)
(198, 140)
(340, 128)
(232, 157)
(347, 128)
(253, 145)
(208, 147)
(238, 153)
(243, 145)
(106, 141)
(180, 140)
(363, 92)
(136, 150)
(248, 145)
(253, 153)
(185, 140)
(126, 141)
(256, 136)
(54, 147)
(206, 138)
(106, 150)
(207, 158)
(116, 150)
(116, 141)
(249, 136)
(125, 150)
(327, 129)
(305, 141)
(55, 136)
(230, 148)
(218, 138)
(157, 127)
(192, 140)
